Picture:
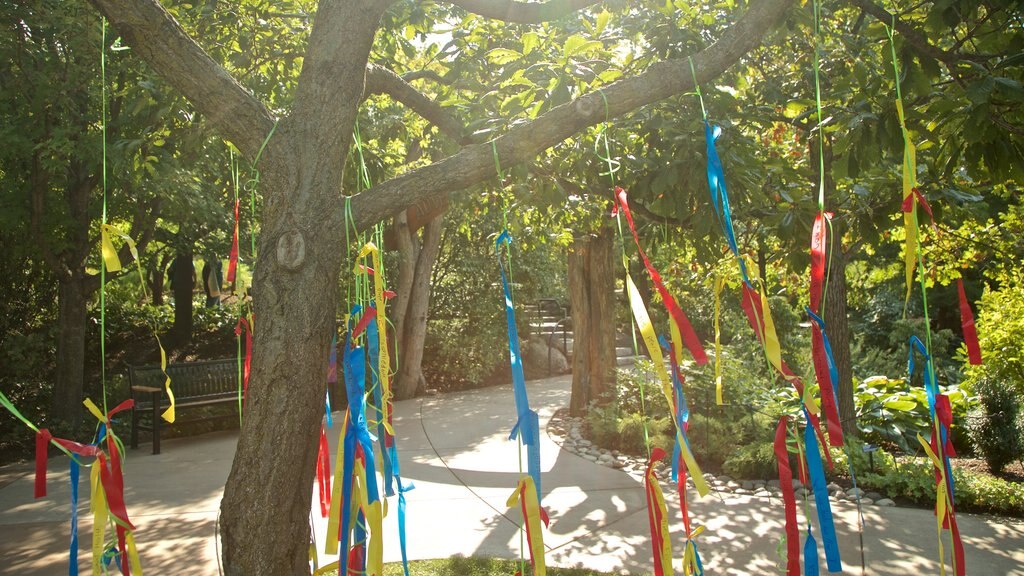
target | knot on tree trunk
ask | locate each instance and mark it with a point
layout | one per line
(291, 250)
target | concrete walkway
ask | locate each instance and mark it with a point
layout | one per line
(455, 449)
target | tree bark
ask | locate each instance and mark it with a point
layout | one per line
(266, 504)
(410, 379)
(838, 326)
(66, 404)
(592, 298)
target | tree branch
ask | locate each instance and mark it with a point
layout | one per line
(475, 163)
(157, 38)
(380, 80)
(425, 75)
(912, 35)
(523, 12)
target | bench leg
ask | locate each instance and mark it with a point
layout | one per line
(156, 423)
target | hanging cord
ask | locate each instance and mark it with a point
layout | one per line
(103, 218)
(511, 291)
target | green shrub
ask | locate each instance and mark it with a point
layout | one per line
(997, 429)
(891, 413)
(756, 460)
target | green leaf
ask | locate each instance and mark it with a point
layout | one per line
(530, 41)
(602, 20)
(900, 405)
(577, 44)
(501, 56)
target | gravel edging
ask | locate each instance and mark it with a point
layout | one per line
(566, 431)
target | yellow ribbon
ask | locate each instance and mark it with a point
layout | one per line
(719, 283)
(909, 183)
(643, 322)
(690, 566)
(133, 554)
(384, 359)
(113, 264)
(533, 521)
(942, 503)
(334, 516)
(98, 505)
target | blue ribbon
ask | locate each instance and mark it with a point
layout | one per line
(356, 433)
(73, 551)
(682, 409)
(931, 387)
(811, 567)
(817, 470)
(528, 424)
(719, 194)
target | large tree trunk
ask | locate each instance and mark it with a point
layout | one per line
(837, 323)
(592, 298)
(413, 333)
(266, 504)
(66, 405)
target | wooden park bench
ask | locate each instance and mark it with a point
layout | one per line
(195, 384)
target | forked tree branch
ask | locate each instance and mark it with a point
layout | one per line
(523, 12)
(156, 37)
(380, 80)
(475, 163)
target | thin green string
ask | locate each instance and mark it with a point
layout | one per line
(253, 185)
(821, 153)
(504, 212)
(103, 218)
(696, 87)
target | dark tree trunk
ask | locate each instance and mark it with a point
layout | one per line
(183, 280)
(410, 379)
(837, 323)
(592, 297)
(66, 405)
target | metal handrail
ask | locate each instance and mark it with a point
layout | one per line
(565, 345)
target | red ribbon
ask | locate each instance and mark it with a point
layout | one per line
(824, 378)
(233, 257)
(788, 498)
(678, 316)
(323, 474)
(967, 321)
(818, 256)
(654, 514)
(42, 448)
(908, 203)
(243, 324)
(369, 314)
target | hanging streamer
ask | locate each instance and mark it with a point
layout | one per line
(719, 194)
(643, 322)
(528, 499)
(233, 255)
(383, 359)
(827, 374)
(528, 423)
(246, 326)
(657, 516)
(681, 324)
(788, 499)
(967, 322)
(719, 399)
(821, 501)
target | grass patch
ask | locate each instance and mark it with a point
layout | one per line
(472, 566)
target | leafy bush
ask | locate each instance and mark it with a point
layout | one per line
(997, 428)
(892, 414)
(458, 356)
(1000, 332)
(756, 460)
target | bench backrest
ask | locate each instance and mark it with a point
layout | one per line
(190, 379)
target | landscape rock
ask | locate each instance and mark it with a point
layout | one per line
(884, 502)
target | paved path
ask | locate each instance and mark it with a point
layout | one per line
(455, 449)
